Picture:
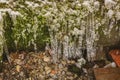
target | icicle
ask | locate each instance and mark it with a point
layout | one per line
(70, 50)
(35, 47)
(111, 26)
(96, 5)
(66, 47)
(54, 46)
(88, 6)
(93, 53)
(54, 57)
(90, 38)
(14, 14)
(78, 52)
(117, 15)
(110, 14)
(55, 53)
(102, 10)
(59, 50)
(47, 47)
(1, 35)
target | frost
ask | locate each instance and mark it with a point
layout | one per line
(47, 14)
(1, 24)
(79, 5)
(87, 5)
(76, 31)
(66, 46)
(1, 34)
(1, 18)
(36, 5)
(3, 1)
(117, 15)
(31, 4)
(96, 5)
(14, 14)
(109, 4)
(72, 26)
(110, 13)
(80, 62)
(5, 10)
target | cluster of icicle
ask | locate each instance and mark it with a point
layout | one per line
(13, 15)
(87, 30)
(74, 25)
(1, 31)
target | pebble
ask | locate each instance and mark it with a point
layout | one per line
(68, 61)
(68, 73)
(41, 77)
(70, 77)
(64, 62)
(21, 73)
(47, 70)
(63, 72)
(112, 65)
(65, 68)
(60, 66)
(72, 62)
(46, 59)
(51, 79)
(18, 61)
(95, 66)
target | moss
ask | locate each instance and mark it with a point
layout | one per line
(8, 34)
(3, 5)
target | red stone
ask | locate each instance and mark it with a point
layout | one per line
(116, 56)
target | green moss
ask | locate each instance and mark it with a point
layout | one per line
(8, 34)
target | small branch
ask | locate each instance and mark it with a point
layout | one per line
(6, 51)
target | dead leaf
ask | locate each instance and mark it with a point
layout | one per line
(53, 72)
(18, 68)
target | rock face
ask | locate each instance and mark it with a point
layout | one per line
(111, 40)
(107, 43)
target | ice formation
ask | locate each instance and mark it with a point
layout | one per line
(1, 34)
(110, 14)
(72, 27)
(109, 4)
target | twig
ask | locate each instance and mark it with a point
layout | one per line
(6, 51)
